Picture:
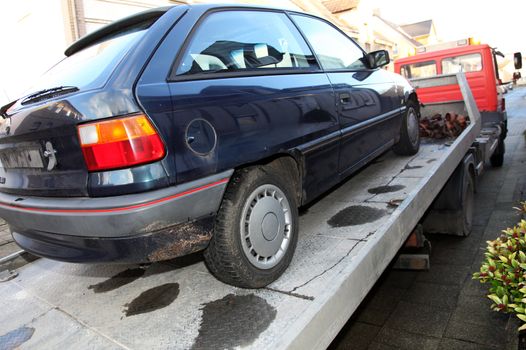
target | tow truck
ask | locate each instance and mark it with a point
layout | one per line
(347, 239)
(479, 63)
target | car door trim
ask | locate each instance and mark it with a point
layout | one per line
(353, 129)
(320, 142)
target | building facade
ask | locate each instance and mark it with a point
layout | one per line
(40, 31)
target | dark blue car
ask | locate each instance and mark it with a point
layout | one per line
(194, 128)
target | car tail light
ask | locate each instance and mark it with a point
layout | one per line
(503, 104)
(120, 143)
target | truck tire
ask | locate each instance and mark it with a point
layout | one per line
(452, 211)
(497, 159)
(409, 142)
(256, 228)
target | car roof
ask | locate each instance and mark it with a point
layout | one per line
(209, 6)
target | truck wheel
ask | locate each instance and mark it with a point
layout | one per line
(256, 229)
(468, 196)
(497, 159)
(409, 142)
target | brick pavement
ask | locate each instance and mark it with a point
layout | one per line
(443, 308)
(7, 246)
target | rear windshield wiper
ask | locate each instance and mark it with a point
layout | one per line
(48, 93)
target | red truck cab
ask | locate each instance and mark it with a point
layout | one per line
(478, 62)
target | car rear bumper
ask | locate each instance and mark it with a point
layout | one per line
(61, 228)
(169, 243)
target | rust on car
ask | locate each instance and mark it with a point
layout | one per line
(190, 237)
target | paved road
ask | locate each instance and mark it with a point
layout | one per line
(444, 308)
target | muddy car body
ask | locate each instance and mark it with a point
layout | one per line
(161, 135)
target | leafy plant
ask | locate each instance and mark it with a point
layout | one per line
(504, 268)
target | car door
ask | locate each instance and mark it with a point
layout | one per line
(366, 99)
(245, 87)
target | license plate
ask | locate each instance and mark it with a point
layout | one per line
(21, 158)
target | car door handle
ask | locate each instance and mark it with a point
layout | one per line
(345, 98)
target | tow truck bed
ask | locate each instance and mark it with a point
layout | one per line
(347, 239)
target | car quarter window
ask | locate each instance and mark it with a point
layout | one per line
(237, 40)
(333, 49)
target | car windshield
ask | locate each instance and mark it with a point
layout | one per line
(91, 67)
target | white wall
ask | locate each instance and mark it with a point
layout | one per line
(32, 39)
(33, 34)
(97, 13)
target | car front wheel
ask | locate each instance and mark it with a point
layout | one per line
(409, 142)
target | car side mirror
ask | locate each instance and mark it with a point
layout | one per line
(517, 60)
(378, 58)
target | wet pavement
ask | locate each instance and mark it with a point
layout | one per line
(443, 308)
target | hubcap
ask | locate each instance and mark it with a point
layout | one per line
(266, 226)
(412, 126)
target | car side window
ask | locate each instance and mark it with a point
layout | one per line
(234, 41)
(333, 49)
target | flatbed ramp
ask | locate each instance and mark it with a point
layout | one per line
(347, 239)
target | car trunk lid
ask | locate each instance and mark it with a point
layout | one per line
(40, 154)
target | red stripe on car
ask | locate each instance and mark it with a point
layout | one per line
(131, 207)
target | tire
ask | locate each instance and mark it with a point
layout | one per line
(468, 203)
(256, 228)
(497, 159)
(409, 142)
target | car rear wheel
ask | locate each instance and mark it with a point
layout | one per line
(256, 229)
(409, 142)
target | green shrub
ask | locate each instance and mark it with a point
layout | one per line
(504, 268)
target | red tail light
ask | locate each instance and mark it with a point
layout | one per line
(120, 143)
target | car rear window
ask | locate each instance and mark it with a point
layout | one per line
(464, 63)
(419, 70)
(91, 67)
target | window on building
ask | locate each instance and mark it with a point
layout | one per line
(464, 63)
(334, 49)
(419, 70)
(233, 41)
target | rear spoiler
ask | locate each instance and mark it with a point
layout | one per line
(3, 110)
(115, 27)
